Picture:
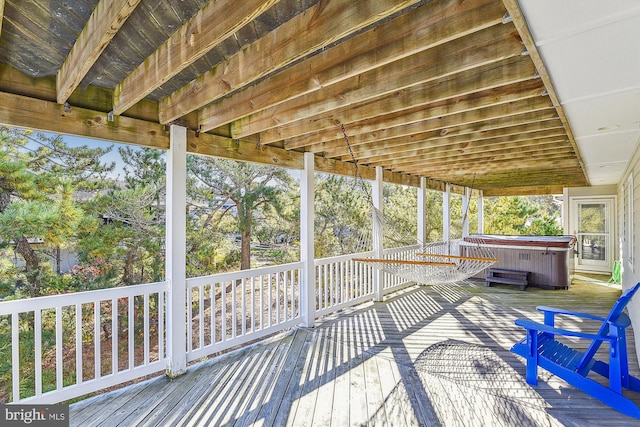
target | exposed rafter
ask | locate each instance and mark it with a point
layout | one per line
(104, 23)
(437, 97)
(436, 89)
(195, 38)
(1, 14)
(487, 46)
(379, 46)
(323, 24)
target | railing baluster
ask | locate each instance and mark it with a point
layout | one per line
(285, 299)
(243, 308)
(233, 309)
(223, 319)
(131, 332)
(189, 319)
(292, 298)
(96, 339)
(114, 336)
(161, 308)
(201, 314)
(278, 298)
(15, 356)
(59, 358)
(212, 318)
(78, 322)
(37, 330)
(261, 305)
(146, 328)
(253, 303)
(270, 297)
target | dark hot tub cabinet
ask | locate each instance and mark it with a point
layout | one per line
(548, 259)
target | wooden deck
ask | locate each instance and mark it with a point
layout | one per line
(430, 355)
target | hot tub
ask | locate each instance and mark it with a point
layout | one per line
(548, 259)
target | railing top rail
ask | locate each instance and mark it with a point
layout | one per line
(237, 275)
(400, 249)
(339, 258)
(61, 300)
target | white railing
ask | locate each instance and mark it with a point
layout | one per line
(393, 282)
(229, 309)
(67, 345)
(342, 282)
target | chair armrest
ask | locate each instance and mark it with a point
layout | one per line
(569, 313)
(531, 325)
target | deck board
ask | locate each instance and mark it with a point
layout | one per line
(428, 355)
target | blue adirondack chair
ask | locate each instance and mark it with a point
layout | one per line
(541, 348)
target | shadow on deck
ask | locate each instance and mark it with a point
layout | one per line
(429, 355)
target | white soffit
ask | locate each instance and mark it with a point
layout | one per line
(591, 49)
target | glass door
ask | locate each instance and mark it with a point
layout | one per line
(592, 228)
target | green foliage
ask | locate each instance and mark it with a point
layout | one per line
(255, 191)
(342, 221)
(39, 178)
(400, 209)
(522, 216)
(211, 247)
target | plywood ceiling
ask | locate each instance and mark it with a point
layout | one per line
(591, 49)
(455, 91)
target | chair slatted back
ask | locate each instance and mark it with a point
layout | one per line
(613, 317)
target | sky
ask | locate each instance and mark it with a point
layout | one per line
(113, 156)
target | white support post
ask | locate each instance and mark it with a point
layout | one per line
(466, 199)
(176, 231)
(481, 213)
(564, 212)
(307, 253)
(378, 244)
(446, 213)
(422, 211)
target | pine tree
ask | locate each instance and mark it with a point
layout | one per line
(39, 177)
(250, 187)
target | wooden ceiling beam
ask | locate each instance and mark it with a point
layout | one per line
(194, 39)
(49, 116)
(515, 141)
(103, 24)
(544, 151)
(473, 121)
(306, 33)
(514, 178)
(460, 142)
(449, 124)
(1, 14)
(434, 23)
(388, 149)
(486, 175)
(487, 46)
(524, 191)
(456, 158)
(507, 80)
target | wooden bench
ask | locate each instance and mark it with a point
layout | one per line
(508, 277)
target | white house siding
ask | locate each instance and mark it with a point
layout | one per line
(631, 267)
